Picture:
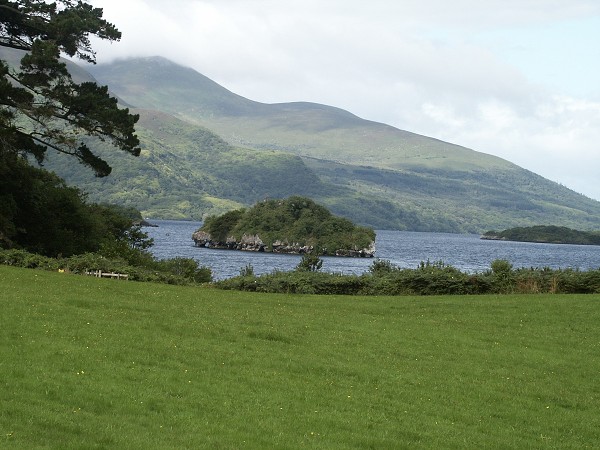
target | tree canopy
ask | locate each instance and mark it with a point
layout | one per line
(39, 213)
(296, 222)
(41, 106)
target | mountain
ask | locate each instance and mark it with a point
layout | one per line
(206, 150)
(185, 171)
(305, 129)
(370, 172)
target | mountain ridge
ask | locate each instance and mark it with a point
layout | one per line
(206, 150)
(185, 95)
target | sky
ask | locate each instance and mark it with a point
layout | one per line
(519, 79)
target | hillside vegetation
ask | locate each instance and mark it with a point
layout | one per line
(292, 225)
(115, 364)
(307, 129)
(224, 152)
(187, 171)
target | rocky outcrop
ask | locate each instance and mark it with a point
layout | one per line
(248, 243)
(202, 239)
(293, 248)
(145, 223)
(253, 243)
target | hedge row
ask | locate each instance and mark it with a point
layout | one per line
(170, 271)
(383, 278)
(428, 279)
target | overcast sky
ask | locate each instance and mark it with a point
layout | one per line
(519, 79)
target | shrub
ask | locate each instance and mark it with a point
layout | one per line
(310, 262)
(22, 258)
(172, 271)
(382, 279)
(186, 268)
(247, 271)
(93, 261)
(572, 281)
(502, 275)
(381, 267)
(297, 282)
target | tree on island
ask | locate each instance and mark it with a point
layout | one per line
(41, 106)
(293, 225)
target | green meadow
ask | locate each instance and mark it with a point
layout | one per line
(95, 363)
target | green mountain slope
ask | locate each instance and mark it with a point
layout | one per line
(185, 171)
(305, 129)
(446, 200)
(372, 173)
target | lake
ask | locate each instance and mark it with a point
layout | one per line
(405, 249)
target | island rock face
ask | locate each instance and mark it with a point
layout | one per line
(253, 243)
(293, 226)
(249, 243)
(492, 236)
(357, 253)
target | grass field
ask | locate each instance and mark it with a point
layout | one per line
(88, 363)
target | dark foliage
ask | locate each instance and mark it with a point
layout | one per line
(220, 227)
(171, 271)
(41, 106)
(40, 214)
(294, 221)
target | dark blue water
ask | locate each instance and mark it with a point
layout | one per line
(402, 248)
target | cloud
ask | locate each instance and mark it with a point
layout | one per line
(558, 140)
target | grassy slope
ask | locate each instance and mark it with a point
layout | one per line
(414, 182)
(307, 129)
(445, 200)
(112, 364)
(186, 171)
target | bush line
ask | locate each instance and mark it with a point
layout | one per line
(382, 278)
(437, 278)
(170, 271)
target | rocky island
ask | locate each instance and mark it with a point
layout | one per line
(296, 225)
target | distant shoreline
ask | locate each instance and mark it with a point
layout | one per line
(545, 234)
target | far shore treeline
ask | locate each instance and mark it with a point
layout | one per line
(550, 234)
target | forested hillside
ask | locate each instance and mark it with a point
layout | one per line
(187, 171)
(206, 150)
